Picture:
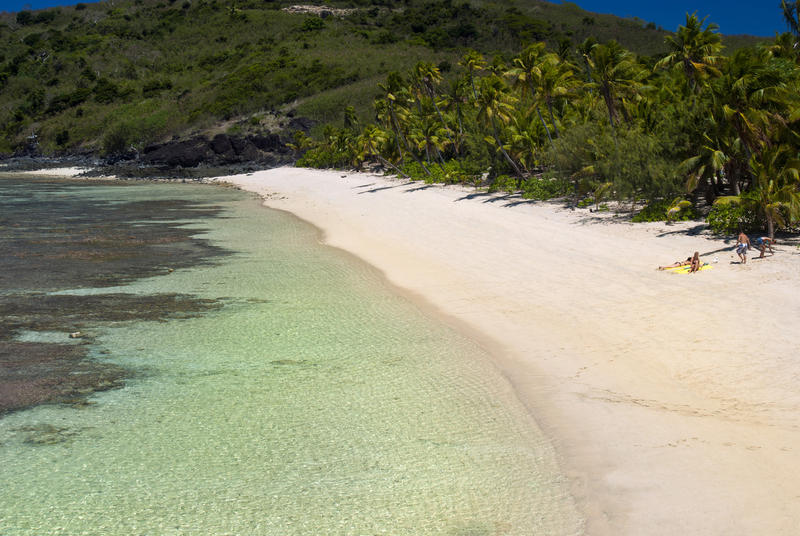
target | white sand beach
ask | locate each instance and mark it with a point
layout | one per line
(672, 400)
(62, 172)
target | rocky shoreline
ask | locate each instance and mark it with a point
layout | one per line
(194, 157)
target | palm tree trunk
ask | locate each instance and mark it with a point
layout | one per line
(552, 118)
(539, 113)
(386, 162)
(396, 129)
(547, 130)
(502, 150)
(405, 142)
(612, 112)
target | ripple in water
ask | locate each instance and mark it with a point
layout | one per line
(315, 401)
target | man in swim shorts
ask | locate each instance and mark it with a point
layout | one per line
(763, 243)
(742, 243)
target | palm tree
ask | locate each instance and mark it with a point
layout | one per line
(583, 50)
(704, 167)
(426, 78)
(693, 50)
(791, 14)
(754, 99)
(785, 46)
(394, 110)
(430, 136)
(494, 103)
(369, 145)
(453, 100)
(473, 62)
(615, 73)
(554, 80)
(524, 73)
(525, 140)
(776, 189)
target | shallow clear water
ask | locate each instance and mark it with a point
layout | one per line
(317, 401)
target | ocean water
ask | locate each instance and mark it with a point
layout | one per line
(316, 401)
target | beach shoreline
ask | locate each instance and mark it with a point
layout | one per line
(669, 398)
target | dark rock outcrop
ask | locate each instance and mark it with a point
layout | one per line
(221, 150)
(187, 153)
(221, 144)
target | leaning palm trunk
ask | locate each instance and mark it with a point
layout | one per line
(386, 162)
(539, 113)
(439, 113)
(396, 129)
(552, 117)
(547, 130)
(502, 149)
(405, 142)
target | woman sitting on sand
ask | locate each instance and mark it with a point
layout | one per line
(693, 262)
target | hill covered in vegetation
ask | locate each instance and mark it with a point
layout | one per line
(111, 77)
(678, 132)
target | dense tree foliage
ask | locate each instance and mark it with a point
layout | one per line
(675, 133)
(126, 73)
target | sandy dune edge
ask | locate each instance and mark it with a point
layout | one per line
(671, 399)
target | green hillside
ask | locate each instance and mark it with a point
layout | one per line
(102, 77)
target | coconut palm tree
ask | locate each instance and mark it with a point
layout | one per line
(756, 97)
(791, 14)
(474, 63)
(496, 104)
(370, 145)
(615, 74)
(693, 50)
(785, 46)
(453, 102)
(705, 166)
(394, 109)
(525, 132)
(776, 192)
(430, 136)
(426, 78)
(554, 80)
(524, 73)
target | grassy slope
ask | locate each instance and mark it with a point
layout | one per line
(104, 75)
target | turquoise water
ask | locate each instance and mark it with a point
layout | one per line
(317, 401)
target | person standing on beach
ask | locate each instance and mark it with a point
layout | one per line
(764, 242)
(742, 243)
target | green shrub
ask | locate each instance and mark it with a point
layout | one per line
(324, 157)
(504, 183)
(68, 100)
(117, 140)
(454, 172)
(106, 91)
(542, 189)
(729, 217)
(657, 211)
(153, 87)
(312, 24)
